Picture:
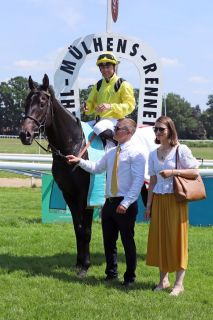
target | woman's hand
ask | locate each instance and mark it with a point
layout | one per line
(72, 159)
(147, 214)
(166, 173)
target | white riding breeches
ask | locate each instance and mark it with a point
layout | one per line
(103, 124)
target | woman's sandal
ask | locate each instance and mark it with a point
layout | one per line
(162, 287)
(176, 291)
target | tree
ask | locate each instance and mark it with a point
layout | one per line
(207, 118)
(183, 115)
(12, 97)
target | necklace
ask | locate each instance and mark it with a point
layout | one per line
(162, 154)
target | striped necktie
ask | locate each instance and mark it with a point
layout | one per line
(114, 178)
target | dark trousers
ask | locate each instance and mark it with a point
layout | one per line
(112, 224)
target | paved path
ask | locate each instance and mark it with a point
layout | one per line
(18, 182)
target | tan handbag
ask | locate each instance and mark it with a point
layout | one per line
(186, 189)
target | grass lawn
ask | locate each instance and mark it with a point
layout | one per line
(38, 280)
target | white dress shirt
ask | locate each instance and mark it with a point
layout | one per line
(130, 171)
(186, 159)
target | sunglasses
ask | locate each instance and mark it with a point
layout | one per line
(160, 129)
(105, 65)
(108, 56)
(120, 128)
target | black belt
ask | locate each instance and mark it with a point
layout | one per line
(114, 199)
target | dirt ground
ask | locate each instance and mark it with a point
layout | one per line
(18, 182)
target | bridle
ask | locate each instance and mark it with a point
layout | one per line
(41, 125)
(41, 132)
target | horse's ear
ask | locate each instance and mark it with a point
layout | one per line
(45, 82)
(31, 83)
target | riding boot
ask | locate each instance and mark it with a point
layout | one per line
(107, 135)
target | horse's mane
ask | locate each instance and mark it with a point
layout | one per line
(53, 97)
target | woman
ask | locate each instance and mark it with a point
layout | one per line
(168, 233)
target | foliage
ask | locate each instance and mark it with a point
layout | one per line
(38, 279)
(207, 117)
(191, 123)
(12, 97)
(187, 119)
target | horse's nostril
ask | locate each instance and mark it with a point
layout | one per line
(28, 135)
(25, 137)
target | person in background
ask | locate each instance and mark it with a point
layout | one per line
(167, 246)
(111, 98)
(120, 208)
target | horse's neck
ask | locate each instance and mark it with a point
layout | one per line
(65, 133)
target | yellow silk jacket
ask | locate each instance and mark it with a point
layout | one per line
(122, 102)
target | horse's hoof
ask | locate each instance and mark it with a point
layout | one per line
(82, 273)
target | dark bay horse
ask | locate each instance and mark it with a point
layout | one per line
(44, 113)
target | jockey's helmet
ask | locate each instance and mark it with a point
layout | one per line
(107, 57)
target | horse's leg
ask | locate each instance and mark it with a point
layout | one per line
(76, 212)
(86, 233)
(82, 221)
(83, 224)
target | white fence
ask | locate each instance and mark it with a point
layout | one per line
(44, 163)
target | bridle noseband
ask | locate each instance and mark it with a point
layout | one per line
(37, 122)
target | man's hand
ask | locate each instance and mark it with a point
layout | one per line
(72, 159)
(121, 209)
(103, 107)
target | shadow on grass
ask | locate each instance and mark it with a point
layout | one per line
(30, 220)
(53, 267)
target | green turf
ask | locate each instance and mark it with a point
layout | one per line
(38, 279)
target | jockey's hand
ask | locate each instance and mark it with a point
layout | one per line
(103, 107)
(84, 107)
(121, 209)
(72, 159)
(166, 173)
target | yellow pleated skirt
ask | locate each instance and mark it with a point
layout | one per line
(167, 246)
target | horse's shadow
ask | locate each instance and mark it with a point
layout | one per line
(56, 267)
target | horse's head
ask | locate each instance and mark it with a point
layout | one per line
(37, 111)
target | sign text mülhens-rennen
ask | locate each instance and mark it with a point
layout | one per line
(118, 45)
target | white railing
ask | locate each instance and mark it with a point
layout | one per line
(4, 165)
(11, 165)
(25, 157)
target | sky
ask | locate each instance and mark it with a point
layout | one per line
(35, 33)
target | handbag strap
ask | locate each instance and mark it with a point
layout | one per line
(176, 157)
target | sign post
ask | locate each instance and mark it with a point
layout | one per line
(134, 50)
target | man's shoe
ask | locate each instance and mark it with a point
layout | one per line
(111, 278)
(127, 284)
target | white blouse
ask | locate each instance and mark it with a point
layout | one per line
(186, 161)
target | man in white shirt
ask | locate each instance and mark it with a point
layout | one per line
(120, 209)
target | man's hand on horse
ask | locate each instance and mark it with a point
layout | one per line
(72, 159)
(103, 107)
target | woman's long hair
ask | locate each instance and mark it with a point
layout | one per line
(172, 135)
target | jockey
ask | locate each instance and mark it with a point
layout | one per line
(112, 98)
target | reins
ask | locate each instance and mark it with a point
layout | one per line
(54, 150)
